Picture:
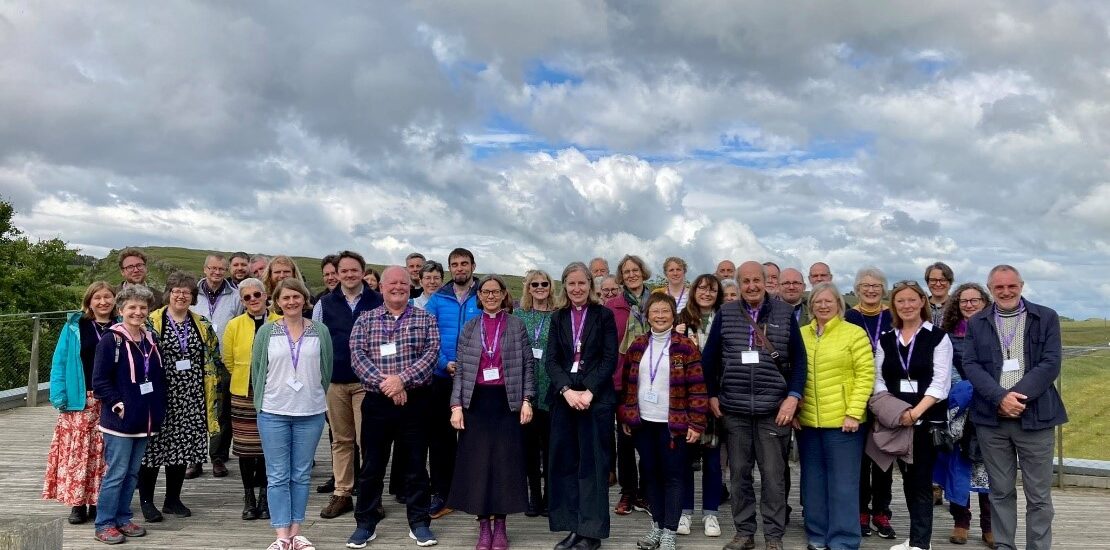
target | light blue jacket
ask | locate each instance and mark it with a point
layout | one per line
(67, 374)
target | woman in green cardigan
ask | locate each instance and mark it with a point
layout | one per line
(290, 370)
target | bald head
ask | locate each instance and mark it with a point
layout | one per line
(791, 286)
(752, 277)
(819, 273)
(725, 270)
(394, 286)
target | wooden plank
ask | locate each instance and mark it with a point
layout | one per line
(216, 503)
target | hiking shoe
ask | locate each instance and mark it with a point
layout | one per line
(109, 535)
(712, 526)
(194, 471)
(624, 506)
(741, 542)
(437, 507)
(864, 524)
(774, 545)
(683, 525)
(423, 536)
(360, 537)
(336, 507)
(667, 542)
(326, 487)
(650, 541)
(132, 530)
(959, 535)
(641, 505)
(882, 526)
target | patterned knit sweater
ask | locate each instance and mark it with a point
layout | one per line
(689, 401)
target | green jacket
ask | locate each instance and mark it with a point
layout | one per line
(840, 377)
(260, 359)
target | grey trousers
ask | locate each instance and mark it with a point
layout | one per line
(1003, 447)
(756, 440)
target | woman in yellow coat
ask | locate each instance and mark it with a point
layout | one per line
(238, 344)
(839, 381)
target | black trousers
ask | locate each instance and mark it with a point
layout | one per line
(664, 461)
(443, 439)
(537, 435)
(581, 448)
(874, 484)
(219, 444)
(386, 423)
(917, 483)
(148, 478)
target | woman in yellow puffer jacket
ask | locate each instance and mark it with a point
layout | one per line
(839, 381)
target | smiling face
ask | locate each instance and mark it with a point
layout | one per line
(577, 288)
(676, 274)
(633, 277)
(870, 290)
(254, 300)
(491, 295)
(431, 281)
(539, 288)
(791, 286)
(414, 265)
(240, 268)
(331, 276)
(660, 316)
(215, 270)
(258, 268)
(772, 283)
(907, 304)
(280, 271)
(705, 295)
(291, 302)
(970, 302)
(750, 278)
(1006, 287)
(599, 268)
(726, 270)
(609, 289)
(819, 273)
(134, 313)
(180, 300)
(134, 270)
(825, 306)
(102, 303)
(350, 274)
(371, 280)
(395, 287)
(938, 284)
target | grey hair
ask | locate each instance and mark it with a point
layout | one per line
(822, 287)
(870, 271)
(251, 282)
(729, 283)
(133, 293)
(1002, 267)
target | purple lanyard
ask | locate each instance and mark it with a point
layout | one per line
(654, 362)
(181, 331)
(576, 331)
(539, 329)
(294, 351)
(1007, 339)
(212, 303)
(909, 354)
(491, 347)
(878, 328)
(146, 357)
(751, 328)
(396, 324)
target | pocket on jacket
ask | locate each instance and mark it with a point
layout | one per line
(1046, 406)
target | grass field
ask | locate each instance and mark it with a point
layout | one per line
(1085, 333)
(1085, 383)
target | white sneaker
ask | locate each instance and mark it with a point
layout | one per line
(906, 546)
(712, 527)
(683, 525)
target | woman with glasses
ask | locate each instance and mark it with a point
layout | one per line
(939, 277)
(875, 484)
(190, 353)
(238, 345)
(693, 322)
(536, 308)
(431, 279)
(607, 287)
(674, 268)
(964, 467)
(491, 402)
(914, 363)
(580, 359)
(631, 320)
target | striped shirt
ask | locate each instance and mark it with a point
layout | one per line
(413, 339)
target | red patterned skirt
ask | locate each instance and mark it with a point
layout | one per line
(75, 463)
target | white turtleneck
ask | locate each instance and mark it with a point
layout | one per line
(658, 352)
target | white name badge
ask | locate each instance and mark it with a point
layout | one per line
(295, 384)
(489, 375)
(574, 367)
(537, 353)
(749, 357)
(1010, 365)
(388, 349)
(146, 387)
(908, 386)
(183, 364)
(652, 396)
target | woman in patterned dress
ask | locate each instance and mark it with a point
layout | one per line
(237, 347)
(190, 353)
(536, 308)
(75, 463)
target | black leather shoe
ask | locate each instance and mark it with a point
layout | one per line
(567, 542)
(533, 508)
(78, 515)
(327, 487)
(263, 504)
(587, 543)
(150, 512)
(193, 471)
(219, 469)
(250, 505)
(176, 508)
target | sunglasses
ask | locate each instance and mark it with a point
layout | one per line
(901, 284)
(252, 295)
(540, 284)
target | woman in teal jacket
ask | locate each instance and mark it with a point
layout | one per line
(75, 462)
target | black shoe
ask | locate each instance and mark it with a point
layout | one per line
(194, 471)
(263, 505)
(567, 542)
(150, 512)
(219, 469)
(587, 543)
(381, 512)
(725, 495)
(78, 515)
(250, 505)
(533, 508)
(176, 508)
(92, 512)
(327, 487)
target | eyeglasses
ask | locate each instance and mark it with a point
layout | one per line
(252, 295)
(540, 284)
(705, 288)
(181, 292)
(216, 269)
(791, 283)
(971, 301)
(872, 286)
(608, 291)
(134, 267)
(934, 281)
(490, 293)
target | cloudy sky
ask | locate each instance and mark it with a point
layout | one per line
(535, 133)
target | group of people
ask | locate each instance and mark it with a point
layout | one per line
(496, 405)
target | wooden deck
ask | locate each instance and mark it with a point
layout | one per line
(216, 504)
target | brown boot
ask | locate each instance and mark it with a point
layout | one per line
(336, 507)
(959, 536)
(988, 540)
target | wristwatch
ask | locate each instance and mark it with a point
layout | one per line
(563, 390)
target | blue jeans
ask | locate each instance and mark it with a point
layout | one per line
(123, 456)
(830, 486)
(710, 480)
(289, 443)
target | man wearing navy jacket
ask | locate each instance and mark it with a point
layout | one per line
(1012, 361)
(338, 310)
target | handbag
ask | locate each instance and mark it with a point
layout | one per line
(943, 440)
(709, 438)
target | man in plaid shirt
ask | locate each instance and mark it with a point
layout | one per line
(394, 349)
